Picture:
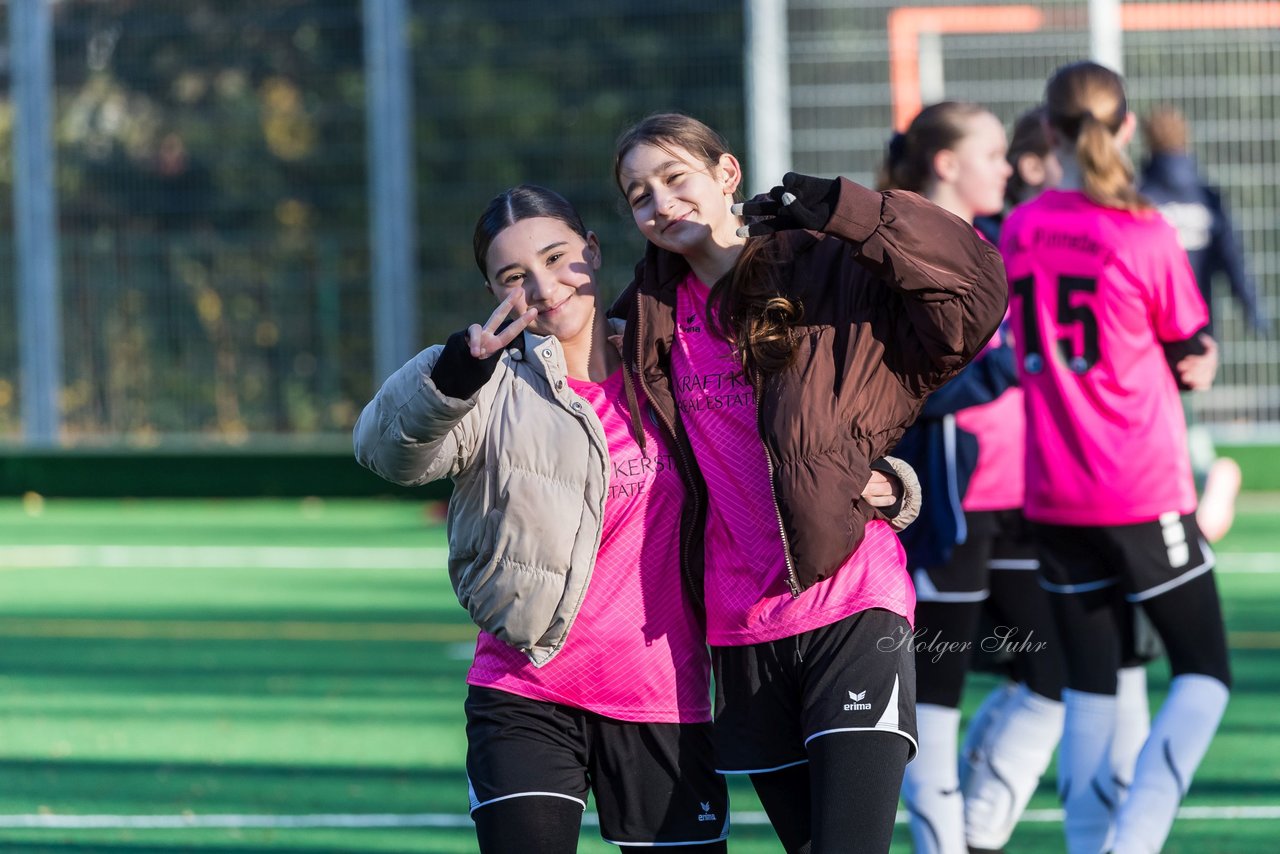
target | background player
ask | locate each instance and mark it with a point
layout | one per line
(1101, 296)
(971, 549)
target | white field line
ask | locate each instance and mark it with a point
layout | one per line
(342, 557)
(1261, 563)
(219, 557)
(454, 820)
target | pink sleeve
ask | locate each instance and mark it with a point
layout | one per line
(1177, 306)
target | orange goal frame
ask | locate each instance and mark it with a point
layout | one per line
(906, 24)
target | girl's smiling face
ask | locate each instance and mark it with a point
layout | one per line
(677, 201)
(544, 264)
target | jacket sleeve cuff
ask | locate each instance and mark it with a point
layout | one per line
(857, 213)
(907, 508)
(457, 373)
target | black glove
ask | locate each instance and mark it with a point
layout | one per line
(459, 374)
(801, 201)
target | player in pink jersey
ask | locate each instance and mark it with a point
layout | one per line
(565, 530)
(783, 365)
(968, 448)
(1035, 169)
(1104, 304)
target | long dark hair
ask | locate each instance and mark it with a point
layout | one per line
(746, 306)
(1086, 105)
(526, 201)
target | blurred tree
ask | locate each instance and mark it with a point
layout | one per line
(212, 186)
(208, 153)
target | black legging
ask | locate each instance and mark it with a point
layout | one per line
(858, 775)
(1018, 600)
(538, 825)
(940, 676)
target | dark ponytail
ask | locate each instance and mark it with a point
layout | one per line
(908, 163)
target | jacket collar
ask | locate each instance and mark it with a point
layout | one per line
(546, 354)
(542, 352)
(658, 272)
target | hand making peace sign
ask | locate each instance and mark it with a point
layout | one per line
(485, 340)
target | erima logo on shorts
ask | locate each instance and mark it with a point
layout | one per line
(707, 814)
(857, 706)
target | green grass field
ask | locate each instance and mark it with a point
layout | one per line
(246, 676)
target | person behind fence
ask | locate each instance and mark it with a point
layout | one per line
(1172, 180)
(1107, 319)
(786, 351)
(970, 552)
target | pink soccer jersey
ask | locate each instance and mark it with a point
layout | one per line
(1094, 291)
(1000, 427)
(636, 651)
(747, 597)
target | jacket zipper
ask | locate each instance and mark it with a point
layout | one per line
(602, 445)
(793, 579)
(675, 441)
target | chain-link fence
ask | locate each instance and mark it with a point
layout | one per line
(212, 174)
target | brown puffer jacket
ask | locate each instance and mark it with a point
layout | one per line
(897, 296)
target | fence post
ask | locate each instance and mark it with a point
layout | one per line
(1106, 39)
(392, 211)
(35, 213)
(768, 84)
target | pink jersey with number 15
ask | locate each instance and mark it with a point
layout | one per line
(1094, 292)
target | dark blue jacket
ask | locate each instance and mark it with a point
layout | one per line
(944, 456)
(1173, 183)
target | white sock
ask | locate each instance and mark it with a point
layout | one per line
(984, 727)
(999, 787)
(1133, 722)
(1180, 735)
(930, 788)
(1084, 770)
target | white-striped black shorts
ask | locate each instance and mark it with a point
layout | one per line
(654, 783)
(856, 675)
(1141, 561)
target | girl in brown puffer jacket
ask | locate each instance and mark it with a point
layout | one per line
(782, 366)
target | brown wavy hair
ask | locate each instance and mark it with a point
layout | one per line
(746, 306)
(1086, 105)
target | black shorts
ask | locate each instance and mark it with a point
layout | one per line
(654, 783)
(772, 699)
(995, 540)
(1141, 561)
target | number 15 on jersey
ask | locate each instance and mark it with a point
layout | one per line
(1075, 327)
